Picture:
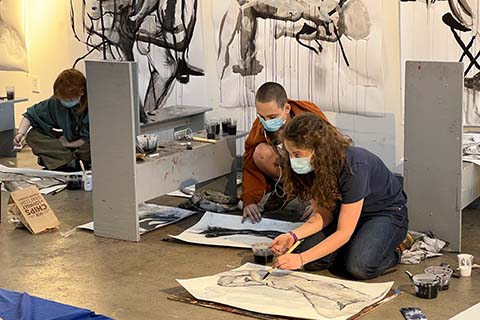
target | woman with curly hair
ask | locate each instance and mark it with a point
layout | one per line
(57, 129)
(360, 207)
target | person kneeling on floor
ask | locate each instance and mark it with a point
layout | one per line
(59, 133)
(360, 208)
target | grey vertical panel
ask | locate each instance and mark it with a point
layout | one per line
(113, 108)
(433, 147)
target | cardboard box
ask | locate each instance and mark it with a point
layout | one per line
(31, 208)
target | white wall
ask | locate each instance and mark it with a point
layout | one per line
(51, 49)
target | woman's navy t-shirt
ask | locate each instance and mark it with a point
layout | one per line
(365, 176)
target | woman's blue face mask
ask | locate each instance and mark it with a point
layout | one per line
(70, 103)
(272, 125)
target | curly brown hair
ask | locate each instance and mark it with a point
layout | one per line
(310, 131)
(71, 83)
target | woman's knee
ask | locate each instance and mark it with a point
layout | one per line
(362, 267)
(359, 270)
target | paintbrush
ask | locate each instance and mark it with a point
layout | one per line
(270, 271)
(200, 139)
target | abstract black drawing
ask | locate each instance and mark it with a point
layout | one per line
(120, 28)
(328, 299)
(461, 19)
(313, 22)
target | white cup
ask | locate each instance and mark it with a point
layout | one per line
(87, 182)
(465, 262)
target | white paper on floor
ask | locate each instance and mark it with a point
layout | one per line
(47, 181)
(286, 293)
(152, 217)
(469, 314)
(243, 235)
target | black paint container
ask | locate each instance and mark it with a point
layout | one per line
(426, 285)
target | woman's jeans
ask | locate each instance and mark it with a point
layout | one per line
(372, 248)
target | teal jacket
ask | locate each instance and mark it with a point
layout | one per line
(51, 114)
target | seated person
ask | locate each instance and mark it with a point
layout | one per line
(261, 160)
(67, 111)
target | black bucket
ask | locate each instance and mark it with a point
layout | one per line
(426, 285)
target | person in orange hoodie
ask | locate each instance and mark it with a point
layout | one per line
(263, 150)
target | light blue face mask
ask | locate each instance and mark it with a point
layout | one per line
(272, 125)
(70, 103)
(301, 165)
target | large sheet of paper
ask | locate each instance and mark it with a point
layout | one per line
(285, 293)
(152, 217)
(47, 181)
(469, 314)
(228, 230)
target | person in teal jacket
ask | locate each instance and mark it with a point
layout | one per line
(57, 129)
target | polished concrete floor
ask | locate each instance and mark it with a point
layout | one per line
(127, 280)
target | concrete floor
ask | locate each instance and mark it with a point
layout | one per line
(126, 280)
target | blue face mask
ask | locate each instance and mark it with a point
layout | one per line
(301, 165)
(272, 125)
(70, 103)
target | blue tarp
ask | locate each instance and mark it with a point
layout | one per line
(22, 306)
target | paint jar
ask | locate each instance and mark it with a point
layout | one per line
(87, 182)
(211, 128)
(225, 124)
(74, 182)
(443, 273)
(10, 90)
(426, 285)
(262, 254)
(148, 142)
(465, 262)
(232, 128)
(217, 126)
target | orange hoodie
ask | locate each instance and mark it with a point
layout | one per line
(254, 183)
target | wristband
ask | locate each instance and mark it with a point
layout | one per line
(23, 134)
(294, 236)
(301, 259)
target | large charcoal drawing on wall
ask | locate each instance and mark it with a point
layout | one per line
(449, 32)
(157, 32)
(13, 47)
(328, 52)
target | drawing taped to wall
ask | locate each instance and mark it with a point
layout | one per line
(285, 293)
(446, 31)
(13, 47)
(157, 31)
(325, 51)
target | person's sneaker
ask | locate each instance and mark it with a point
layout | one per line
(406, 243)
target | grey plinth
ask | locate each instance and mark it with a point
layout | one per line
(119, 182)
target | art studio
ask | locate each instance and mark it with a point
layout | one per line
(239, 159)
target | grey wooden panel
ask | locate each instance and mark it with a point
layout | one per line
(7, 116)
(470, 183)
(433, 147)
(175, 117)
(113, 102)
(373, 132)
(158, 176)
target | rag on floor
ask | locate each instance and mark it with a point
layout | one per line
(212, 201)
(425, 246)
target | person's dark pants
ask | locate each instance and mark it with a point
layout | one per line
(372, 248)
(51, 151)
